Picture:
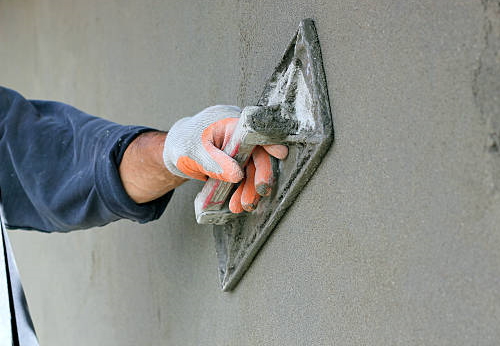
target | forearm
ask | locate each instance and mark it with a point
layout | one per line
(142, 171)
(60, 167)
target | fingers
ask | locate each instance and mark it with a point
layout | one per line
(263, 171)
(259, 174)
(231, 170)
(249, 195)
(219, 165)
(220, 132)
(277, 150)
(259, 178)
(215, 138)
(235, 201)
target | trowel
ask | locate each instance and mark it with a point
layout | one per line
(294, 109)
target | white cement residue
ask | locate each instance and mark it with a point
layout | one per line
(277, 95)
(303, 104)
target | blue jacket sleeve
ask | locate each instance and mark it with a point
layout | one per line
(59, 167)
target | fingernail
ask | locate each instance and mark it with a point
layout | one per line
(249, 207)
(263, 189)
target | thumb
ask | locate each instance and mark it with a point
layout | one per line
(229, 171)
(217, 164)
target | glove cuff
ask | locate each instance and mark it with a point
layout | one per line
(168, 155)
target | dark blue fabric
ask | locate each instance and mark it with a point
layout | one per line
(59, 167)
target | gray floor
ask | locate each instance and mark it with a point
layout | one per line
(394, 241)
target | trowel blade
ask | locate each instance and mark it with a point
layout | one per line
(299, 83)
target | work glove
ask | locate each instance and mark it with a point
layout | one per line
(194, 149)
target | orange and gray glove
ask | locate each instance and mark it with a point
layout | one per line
(194, 149)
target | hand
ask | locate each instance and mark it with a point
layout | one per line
(258, 180)
(194, 149)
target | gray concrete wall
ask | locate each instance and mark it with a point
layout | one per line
(396, 238)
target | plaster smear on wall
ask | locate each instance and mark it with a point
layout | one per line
(486, 86)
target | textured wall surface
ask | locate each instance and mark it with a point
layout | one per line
(396, 238)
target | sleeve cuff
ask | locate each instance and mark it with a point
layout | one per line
(109, 184)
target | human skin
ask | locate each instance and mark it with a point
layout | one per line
(142, 171)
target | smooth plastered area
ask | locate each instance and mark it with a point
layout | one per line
(394, 241)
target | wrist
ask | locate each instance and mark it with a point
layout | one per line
(142, 170)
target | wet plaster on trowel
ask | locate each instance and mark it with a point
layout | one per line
(486, 87)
